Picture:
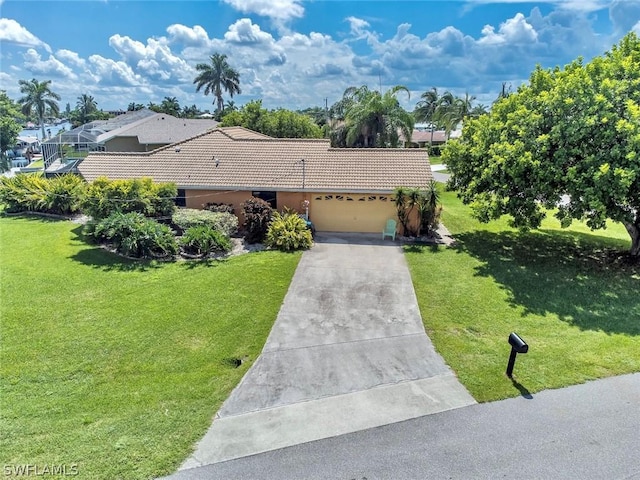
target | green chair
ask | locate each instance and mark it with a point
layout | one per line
(389, 229)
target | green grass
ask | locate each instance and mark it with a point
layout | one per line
(435, 160)
(571, 294)
(37, 164)
(119, 366)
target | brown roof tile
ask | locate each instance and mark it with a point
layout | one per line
(237, 160)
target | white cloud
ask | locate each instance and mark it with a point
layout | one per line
(110, 72)
(624, 15)
(278, 10)
(52, 66)
(71, 58)
(636, 28)
(195, 36)
(12, 32)
(245, 32)
(515, 30)
(155, 59)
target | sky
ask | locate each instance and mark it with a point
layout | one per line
(296, 54)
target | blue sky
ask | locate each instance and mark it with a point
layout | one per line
(293, 53)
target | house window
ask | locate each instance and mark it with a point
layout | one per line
(267, 196)
(181, 199)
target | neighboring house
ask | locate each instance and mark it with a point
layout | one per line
(138, 131)
(348, 189)
(424, 138)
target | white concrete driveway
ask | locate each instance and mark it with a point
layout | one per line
(348, 351)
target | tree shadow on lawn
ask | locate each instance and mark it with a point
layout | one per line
(584, 279)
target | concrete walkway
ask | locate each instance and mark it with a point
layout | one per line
(348, 352)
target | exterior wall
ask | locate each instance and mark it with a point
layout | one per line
(124, 144)
(330, 212)
(291, 200)
(366, 213)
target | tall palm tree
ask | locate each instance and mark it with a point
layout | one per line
(216, 77)
(38, 96)
(426, 108)
(373, 119)
(86, 105)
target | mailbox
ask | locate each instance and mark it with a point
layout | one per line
(517, 343)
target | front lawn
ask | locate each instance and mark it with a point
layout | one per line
(118, 366)
(566, 292)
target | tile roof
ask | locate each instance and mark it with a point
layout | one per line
(222, 160)
(420, 136)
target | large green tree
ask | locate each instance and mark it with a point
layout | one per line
(171, 106)
(278, 123)
(216, 77)
(38, 97)
(569, 139)
(9, 126)
(367, 118)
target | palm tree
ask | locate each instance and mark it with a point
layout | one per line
(86, 105)
(373, 119)
(216, 77)
(190, 112)
(133, 106)
(426, 108)
(171, 106)
(38, 96)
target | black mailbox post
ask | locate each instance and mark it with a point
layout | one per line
(518, 345)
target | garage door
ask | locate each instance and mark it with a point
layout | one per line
(351, 212)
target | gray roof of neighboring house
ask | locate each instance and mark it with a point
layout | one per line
(148, 126)
(233, 159)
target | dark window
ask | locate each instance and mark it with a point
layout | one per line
(269, 197)
(181, 200)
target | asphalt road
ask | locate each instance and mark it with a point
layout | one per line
(585, 432)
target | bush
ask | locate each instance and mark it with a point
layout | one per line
(65, 193)
(185, 218)
(287, 231)
(134, 235)
(104, 197)
(425, 201)
(203, 240)
(32, 192)
(257, 215)
(220, 207)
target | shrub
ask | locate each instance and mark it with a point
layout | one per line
(64, 194)
(287, 231)
(425, 201)
(203, 240)
(23, 192)
(257, 215)
(33, 192)
(104, 197)
(185, 218)
(134, 235)
(429, 209)
(220, 207)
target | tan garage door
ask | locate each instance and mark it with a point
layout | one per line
(351, 212)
